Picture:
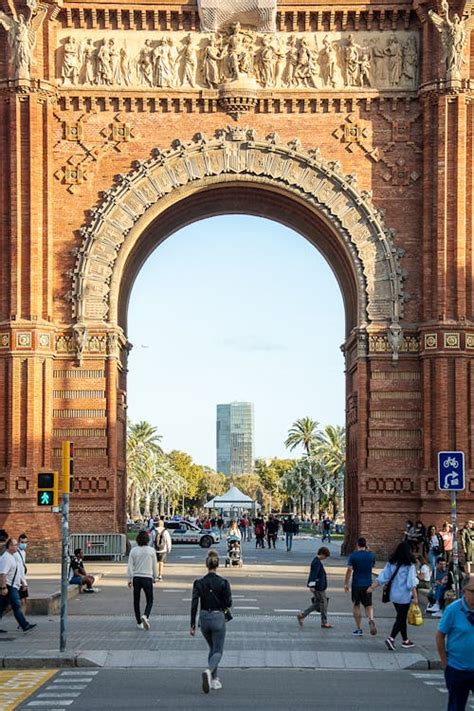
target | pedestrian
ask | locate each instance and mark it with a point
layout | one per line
(242, 528)
(77, 573)
(400, 576)
(163, 546)
(21, 554)
(259, 530)
(455, 643)
(423, 573)
(234, 530)
(213, 594)
(11, 581)
(467, 542)
(447, 536)
(438, 588)
(317, 585)
(434, 547)
(141, 575)
(289, 528)
(359, 567)
(271, 527)
(220, 524)
(326, 529)
(151, 530)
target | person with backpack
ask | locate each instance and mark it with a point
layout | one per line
(162, 546)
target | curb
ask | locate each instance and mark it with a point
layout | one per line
(51, 604)
(430, 664)
(55, 661)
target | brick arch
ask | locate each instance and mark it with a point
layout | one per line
(136, 210)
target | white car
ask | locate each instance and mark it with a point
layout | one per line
(186, 532)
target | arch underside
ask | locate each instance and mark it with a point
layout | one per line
(235, 173)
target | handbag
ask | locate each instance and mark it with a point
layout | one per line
(414, 616)
(228, 616)
(387, 587)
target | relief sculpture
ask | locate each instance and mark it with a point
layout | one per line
(305, 61)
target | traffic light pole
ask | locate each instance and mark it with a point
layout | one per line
(64, 572)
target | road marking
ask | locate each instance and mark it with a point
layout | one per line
(170, 590)
(183, 557)
(16, 686)
(66, 702)
(79, 674)
(286, 610)
(185, 599)
(245, 608)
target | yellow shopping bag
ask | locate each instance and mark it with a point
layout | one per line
(414, 615)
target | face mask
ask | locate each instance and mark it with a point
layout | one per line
(22, 546)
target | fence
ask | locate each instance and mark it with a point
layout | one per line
(99, 545)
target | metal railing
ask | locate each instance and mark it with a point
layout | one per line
(99, 545)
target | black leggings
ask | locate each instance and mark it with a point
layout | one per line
(400, 624)
(146, 584)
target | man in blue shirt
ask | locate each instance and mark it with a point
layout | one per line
(455, 642)
(359, 566)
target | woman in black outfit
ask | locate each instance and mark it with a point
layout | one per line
(214, 595)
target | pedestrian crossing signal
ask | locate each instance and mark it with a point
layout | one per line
(48, 489)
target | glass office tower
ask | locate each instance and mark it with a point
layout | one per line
(234, 438)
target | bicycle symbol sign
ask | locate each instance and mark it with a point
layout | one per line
(451, 471)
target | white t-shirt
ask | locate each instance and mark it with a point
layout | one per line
(142, 562)
(12, 568)
(425, 573)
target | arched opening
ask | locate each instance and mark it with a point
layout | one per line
(228, 308)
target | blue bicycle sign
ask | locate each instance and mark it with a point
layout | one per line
(451, 471)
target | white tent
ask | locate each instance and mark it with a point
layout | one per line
(232, 499)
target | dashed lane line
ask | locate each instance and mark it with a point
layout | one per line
(16, 686)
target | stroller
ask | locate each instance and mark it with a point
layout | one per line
(234, 553)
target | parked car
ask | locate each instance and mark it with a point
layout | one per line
(186, 532)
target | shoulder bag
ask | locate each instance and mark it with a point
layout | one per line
(388, 586)
(227, 613)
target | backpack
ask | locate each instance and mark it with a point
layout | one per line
(159, 541)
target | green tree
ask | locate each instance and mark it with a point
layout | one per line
(302, 433)
(331, 449)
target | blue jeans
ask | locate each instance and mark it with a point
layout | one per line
(432, 559)
(289, 541)
(13, 599)
(458, 683)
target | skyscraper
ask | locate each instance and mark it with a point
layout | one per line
(234, 438)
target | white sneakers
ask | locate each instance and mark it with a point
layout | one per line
(140, 626)
(433, 608)
(216, 684)
(145, 622)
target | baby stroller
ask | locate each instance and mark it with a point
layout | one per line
(234, 553)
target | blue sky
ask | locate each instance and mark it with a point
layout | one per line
(235, 308)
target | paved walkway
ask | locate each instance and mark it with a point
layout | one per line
(267, 592)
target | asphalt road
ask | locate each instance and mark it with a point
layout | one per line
(264, 689)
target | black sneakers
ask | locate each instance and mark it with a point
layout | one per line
(29, 627)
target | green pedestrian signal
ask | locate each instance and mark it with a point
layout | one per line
(45, 498)
(48, 489)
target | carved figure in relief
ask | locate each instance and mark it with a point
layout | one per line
(211, 62)
(453, 38)
(280, 59)
(329, 62)
(379, 62)
(351, 58)
(189, 60)
(173, 61)
(114, 61)
(104, 73)
(89, 62)
(307, 70)
(365, 67)
(162, 69)
(70, 67)
(21, 31)
(410, 60)
(266, 62)
(125, 69)
(145, 64)
(395, 60)
(239, 45)
(291, 62)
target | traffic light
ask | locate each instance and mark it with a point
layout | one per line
(67, 483)
(48, 489)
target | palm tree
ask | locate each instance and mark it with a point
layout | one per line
(142, 447)
(331, 449)
(303, 433)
